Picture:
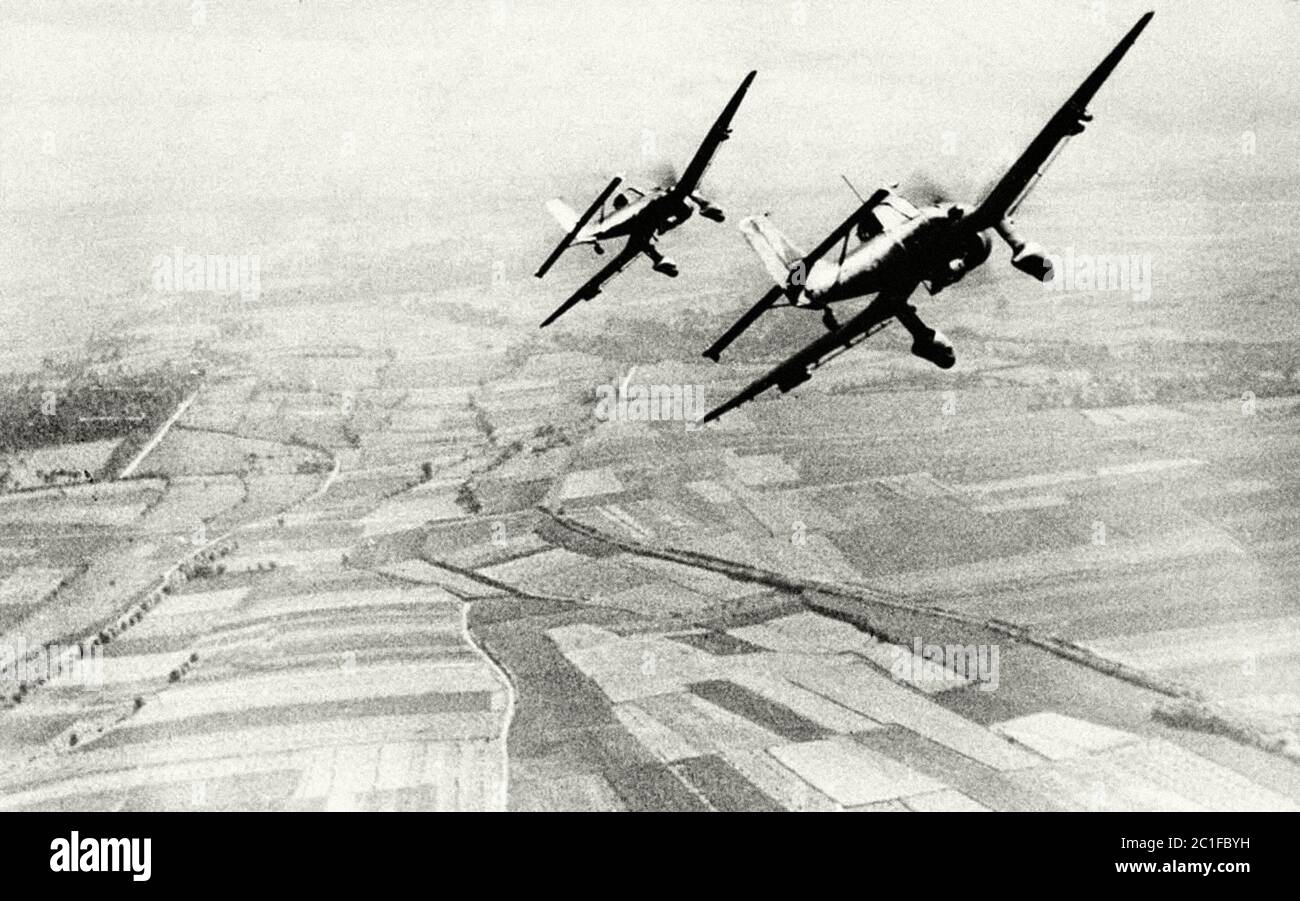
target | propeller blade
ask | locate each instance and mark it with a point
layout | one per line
(924, 190)
(664, 176)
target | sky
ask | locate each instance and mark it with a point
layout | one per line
(130, 128)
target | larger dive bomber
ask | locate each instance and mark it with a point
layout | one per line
(900, 247)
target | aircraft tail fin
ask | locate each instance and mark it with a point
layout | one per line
(773, 248)
(562, 213)
(572, 223)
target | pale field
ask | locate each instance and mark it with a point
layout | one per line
(76, 512)
(186, 452)
(27, 584)
(88, 456)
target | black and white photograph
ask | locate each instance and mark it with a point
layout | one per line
(542, 407)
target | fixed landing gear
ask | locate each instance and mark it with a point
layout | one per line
(829, 320)
(927, 343)
(661, 263)
(708, 210)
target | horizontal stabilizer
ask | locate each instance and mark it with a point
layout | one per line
(772, 247)
(563, 213)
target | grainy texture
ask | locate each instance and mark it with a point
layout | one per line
(301, 510)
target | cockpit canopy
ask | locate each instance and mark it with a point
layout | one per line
(626, 196)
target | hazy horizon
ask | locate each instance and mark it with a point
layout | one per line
(284, 129)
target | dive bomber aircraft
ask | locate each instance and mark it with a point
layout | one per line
(899, 247)
(641, 216)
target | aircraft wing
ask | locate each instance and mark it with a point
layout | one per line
(744, 322)
(577, 225)
(1069, 120)
(720, 131)
(798, 368)
(842, 230)
(630, 251)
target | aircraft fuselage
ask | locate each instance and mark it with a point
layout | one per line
(648, 216)
(937, 246)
